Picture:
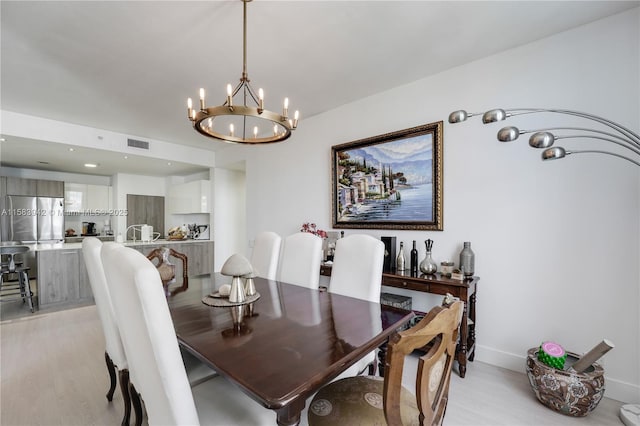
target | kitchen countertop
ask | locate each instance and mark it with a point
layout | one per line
(75, 246)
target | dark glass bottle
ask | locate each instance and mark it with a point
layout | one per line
(414, 259)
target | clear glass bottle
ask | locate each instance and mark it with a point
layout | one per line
(401, 260)
(467, 259)
(428, 266)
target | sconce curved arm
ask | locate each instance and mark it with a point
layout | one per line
(544, 138)
(498, 114)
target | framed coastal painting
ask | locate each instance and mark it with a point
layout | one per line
(390, 181)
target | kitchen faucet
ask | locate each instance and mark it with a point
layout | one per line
(139, 227)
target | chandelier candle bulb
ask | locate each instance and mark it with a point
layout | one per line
(231, 129)
(285, 110)
(229, 97)
(260, 100)
(296, 116)
(255, 132)
(202, 107)
(189, 108)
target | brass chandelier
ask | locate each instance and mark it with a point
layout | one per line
(247, 121)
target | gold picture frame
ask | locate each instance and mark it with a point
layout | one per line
(390, 181)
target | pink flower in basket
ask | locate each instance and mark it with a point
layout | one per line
(313, 229)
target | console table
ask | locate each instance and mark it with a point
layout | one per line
(437, 284)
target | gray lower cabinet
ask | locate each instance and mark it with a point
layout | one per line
(62, 278)
(199, 255)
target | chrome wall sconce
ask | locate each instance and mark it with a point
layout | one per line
(545, 138)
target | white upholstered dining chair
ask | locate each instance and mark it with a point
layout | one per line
(155, 364)
(357, 272)
(265, 254)
(114, 351)
(300, 260)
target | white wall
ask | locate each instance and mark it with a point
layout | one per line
(229, 214)
(557, 244)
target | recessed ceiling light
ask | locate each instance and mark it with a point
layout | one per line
(126, 157)
(90, 165)
(168, 164)
(2, 139)
(71, 149)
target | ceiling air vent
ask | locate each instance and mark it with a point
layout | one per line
(138, 144)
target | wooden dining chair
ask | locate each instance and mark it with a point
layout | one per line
(167, 270)
(265, 254)
(300, 260)
(158, 376)
(375, 401)
(357, 272)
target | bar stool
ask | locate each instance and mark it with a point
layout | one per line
(15, 266)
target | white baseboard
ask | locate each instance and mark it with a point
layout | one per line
(628, 393)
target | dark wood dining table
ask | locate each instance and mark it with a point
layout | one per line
(291, 341)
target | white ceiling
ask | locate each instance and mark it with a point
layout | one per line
(128, 66)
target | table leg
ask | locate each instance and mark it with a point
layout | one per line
(461, 352)
(472, 326)
(290, 414)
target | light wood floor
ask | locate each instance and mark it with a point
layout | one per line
(52, 372)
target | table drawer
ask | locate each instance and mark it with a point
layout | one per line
(404, 282)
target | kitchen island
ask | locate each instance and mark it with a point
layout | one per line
(62, 280)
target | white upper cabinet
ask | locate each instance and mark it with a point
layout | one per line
(82, 197)
(99, 197)
(190, 197)
(74, 197)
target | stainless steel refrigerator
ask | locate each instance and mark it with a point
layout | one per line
(31, 219)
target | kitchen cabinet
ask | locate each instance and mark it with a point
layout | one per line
(21, 186)
(34, 187)
(190, 197)
(49, 188)
(99, 197)
(74, 194)
(81, 197)
(199, 255)
(145, 209)
(62, 278)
